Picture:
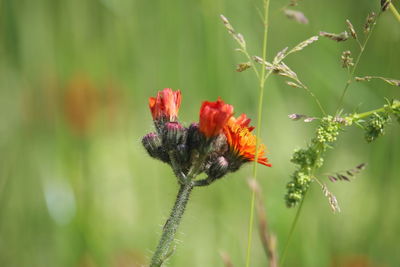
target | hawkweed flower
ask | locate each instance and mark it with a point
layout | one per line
(217, 145)
(242, 143)
(213, 117)
(165, 106)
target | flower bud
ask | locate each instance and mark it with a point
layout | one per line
(152, 143)
(173, 134)
(194, 137)
(218, 168)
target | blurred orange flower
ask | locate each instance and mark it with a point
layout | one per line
(81, 102)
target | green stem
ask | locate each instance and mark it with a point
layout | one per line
(262, 79)
(368, 113)
(204, 182)
(294, 223)
(176, 168)
(395, 12)
(171, 225)
(316, 100)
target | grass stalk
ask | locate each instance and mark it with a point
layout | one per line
(394, 12)
(262, 80)
(292, 228)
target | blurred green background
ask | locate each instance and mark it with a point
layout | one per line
(76, 186)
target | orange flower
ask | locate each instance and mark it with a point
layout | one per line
(213, 117)
(165, 105)
(242, 142)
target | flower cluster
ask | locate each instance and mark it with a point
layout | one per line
(219, 143)
(375, 126)
(311, 158)
(377, 120)
(328, 129)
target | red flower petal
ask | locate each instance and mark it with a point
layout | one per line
(214, 116)
(166, 104)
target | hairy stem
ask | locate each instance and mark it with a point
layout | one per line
(262, 79)
(176, 168)
(171, 225)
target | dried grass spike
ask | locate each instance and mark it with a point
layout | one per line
(340, 37)
(388, 80)
(351, 29)
(296, 117)
(281, 55)
(361, 166)
(303, 44)
(284, 70)
(391, 81)
(227, 24)
(363, 79)
(310, 119)
(263, 62)
(295, 15)
(347, 60)
(343, 177)
(243, 66)
(240, 39)
(332, 178)
(347, 174)
(333, 203)
(292, 84)
(369, 22)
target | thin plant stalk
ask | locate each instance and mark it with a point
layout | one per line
(262, 79)
(292, 228)
(394, 11)
(369, 113)
(351, 76)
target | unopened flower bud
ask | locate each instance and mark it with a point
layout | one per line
(194, 136)
(152, 143)
(173, 134)
(218, 168)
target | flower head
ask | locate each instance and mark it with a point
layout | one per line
(242, 142)
(165, 105)
(213, 117)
